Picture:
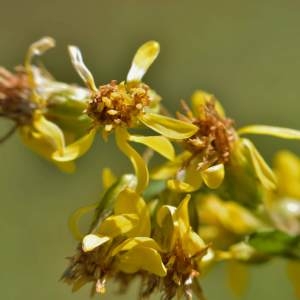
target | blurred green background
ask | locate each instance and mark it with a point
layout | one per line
(245, 52)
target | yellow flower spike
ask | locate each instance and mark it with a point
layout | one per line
(92, 241)
(238, 277)
(142, 258)
(137, 161)
(159, 144)
(81, 68)
(142, 60)
(117, 225)
(280, 132)
(293, 270)
(37, 49)
(262, 170)
(108, 178)
(213, 176)
(76, 149)
(168, 127)
(76, 216)
(51, 132)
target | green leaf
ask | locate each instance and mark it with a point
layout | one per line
(275, 242)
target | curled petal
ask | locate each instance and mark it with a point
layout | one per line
(262, 170)
(137, 161)
(76, 216)
(280, 132)
(41, 145)
(213, 176)
(142, 60)
(76, 149)
(92, 241)
(168, 127)
(159, 144)
(81, 68)
(142, 258)
(50, 132)
(36, 49)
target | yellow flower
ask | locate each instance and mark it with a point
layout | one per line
(129, 104)
(23, 99)
(118, 244)
(217, 146)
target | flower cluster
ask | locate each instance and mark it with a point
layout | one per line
(214, 200)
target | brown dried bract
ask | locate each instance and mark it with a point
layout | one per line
(15, 93)
(87, 267)
(118, 104)
(214, 138)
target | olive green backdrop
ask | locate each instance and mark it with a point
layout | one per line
(246, 52)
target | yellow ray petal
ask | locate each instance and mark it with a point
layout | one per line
(168, 127)
(293, 270)
(182, 213)
(170, 168)
(280, 132)
(50, 132)
(193, 244)
(108, 178)
(159, 144)
(133, 242)
(76, 216)
(81, 68)
(262, 170)
(137, 161)
(213, 176)
(129, 202)
(76, 149)
(142, 60)
(238, 277)
(92, 241)
(41, 146)
(142, 258)
(199, 98)
(117, 225)
(180, 186)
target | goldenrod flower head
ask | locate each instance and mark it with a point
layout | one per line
(217, 146)
(125, 105)
(119, 244)
(182, 250)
